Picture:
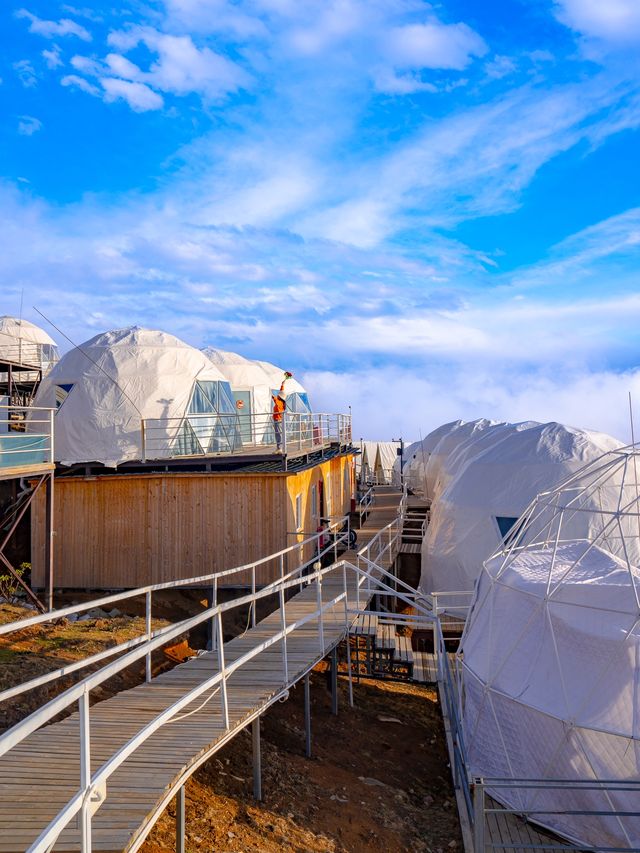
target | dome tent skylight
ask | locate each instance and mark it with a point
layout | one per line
(105, 388)
(551, 654)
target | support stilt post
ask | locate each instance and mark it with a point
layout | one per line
(180, 821)
(334, 681)
(257, 765)
(49, 540)
(307, 716)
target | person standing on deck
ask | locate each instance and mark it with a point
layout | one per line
(279, 407)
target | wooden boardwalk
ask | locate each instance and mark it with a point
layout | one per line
(40, 775)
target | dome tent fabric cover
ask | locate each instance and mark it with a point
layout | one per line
(258, 380)
(104, 388)
(297, 397)
(25, 343)
(416, 463)
(498, 472)
(437, 470)
(551, 657)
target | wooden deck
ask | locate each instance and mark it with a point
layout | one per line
(32, 470)
(39, 776)
(513, 833)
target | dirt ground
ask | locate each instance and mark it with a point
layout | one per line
(378, 779)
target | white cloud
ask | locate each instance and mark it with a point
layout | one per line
(389, 82)
(500, 66)
(181, 67)
(52, 57)
(26, 73)
(609, 20)
(139, 97)
(54, 29)
(75, 82)
(434, 45)
(28, 125)
(390, 401)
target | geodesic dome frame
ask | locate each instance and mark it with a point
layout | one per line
(551, 657)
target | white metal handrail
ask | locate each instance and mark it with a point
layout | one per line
(211, 579)
(92, 789)
(233, 433)
(26, 432)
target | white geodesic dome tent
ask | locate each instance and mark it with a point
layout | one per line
(106, 387)
(492, 476)
(253, 383)
(297, 396)
(437, 472)
(416, 457)
(25, 343)
(551, 658)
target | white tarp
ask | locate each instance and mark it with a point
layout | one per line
(551, 684)
(25, 343)
(386, 456)
(366, 461)
(257, 381)
(104, 388)
(493, 475)
(417, 458)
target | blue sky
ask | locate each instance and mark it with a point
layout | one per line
(427, 211)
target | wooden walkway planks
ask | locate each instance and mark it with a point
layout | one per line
(39, 776)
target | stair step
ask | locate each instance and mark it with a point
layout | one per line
(404, 652)
(385, 636)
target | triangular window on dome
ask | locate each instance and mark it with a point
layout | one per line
(186, 443)
(508, 527)
(62, 392)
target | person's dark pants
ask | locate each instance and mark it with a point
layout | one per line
(277, 428)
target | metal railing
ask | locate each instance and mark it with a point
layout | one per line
(365, 502)
(91, 793)
(241, 432)
(39, 357)
(26, 436)
(480, 794)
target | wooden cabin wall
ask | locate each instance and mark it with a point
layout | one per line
(129, 530)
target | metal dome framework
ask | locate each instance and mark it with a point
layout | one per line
(550, 662)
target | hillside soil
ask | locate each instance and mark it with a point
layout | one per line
(378, 779)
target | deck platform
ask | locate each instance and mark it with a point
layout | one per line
(40, 775)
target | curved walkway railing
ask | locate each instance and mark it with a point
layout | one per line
(345, 582)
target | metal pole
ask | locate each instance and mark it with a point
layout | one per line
(180, 821)
(257, 766)
(307, 716)
(221, 668)
(319, 606)
(85, 772)
(253, 593)
(49, 539)
(148, 630)
(478, 817)
(334, 681)
(283, 624)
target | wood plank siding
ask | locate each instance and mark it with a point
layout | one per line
(128, 530)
